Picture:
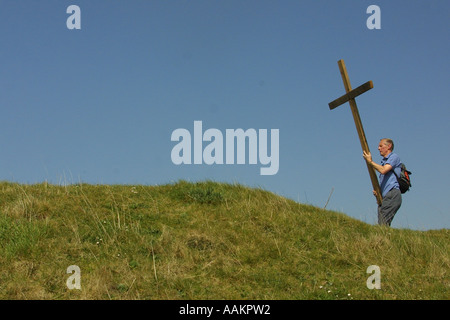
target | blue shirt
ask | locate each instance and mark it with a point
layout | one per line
(389, 181)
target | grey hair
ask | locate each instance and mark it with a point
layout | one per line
(388, 141)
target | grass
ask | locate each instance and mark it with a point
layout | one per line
(204, 240)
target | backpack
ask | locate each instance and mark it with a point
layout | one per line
(404, 180)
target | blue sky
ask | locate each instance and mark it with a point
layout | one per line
(99, 104)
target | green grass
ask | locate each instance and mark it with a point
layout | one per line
(204, 241)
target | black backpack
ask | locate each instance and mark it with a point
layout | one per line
(404, 180)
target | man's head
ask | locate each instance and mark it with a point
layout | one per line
(385, 146)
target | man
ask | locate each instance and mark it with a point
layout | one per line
(390, 189)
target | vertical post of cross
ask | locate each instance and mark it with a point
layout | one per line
(350, 98)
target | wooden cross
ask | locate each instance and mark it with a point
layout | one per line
(350, 97)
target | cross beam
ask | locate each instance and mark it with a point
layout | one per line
(350, 97)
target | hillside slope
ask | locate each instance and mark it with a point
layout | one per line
(203, 241)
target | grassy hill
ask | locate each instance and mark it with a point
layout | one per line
(204, 241)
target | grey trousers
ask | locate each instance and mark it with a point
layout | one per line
(389, 207)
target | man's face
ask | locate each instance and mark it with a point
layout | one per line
(384, 148)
